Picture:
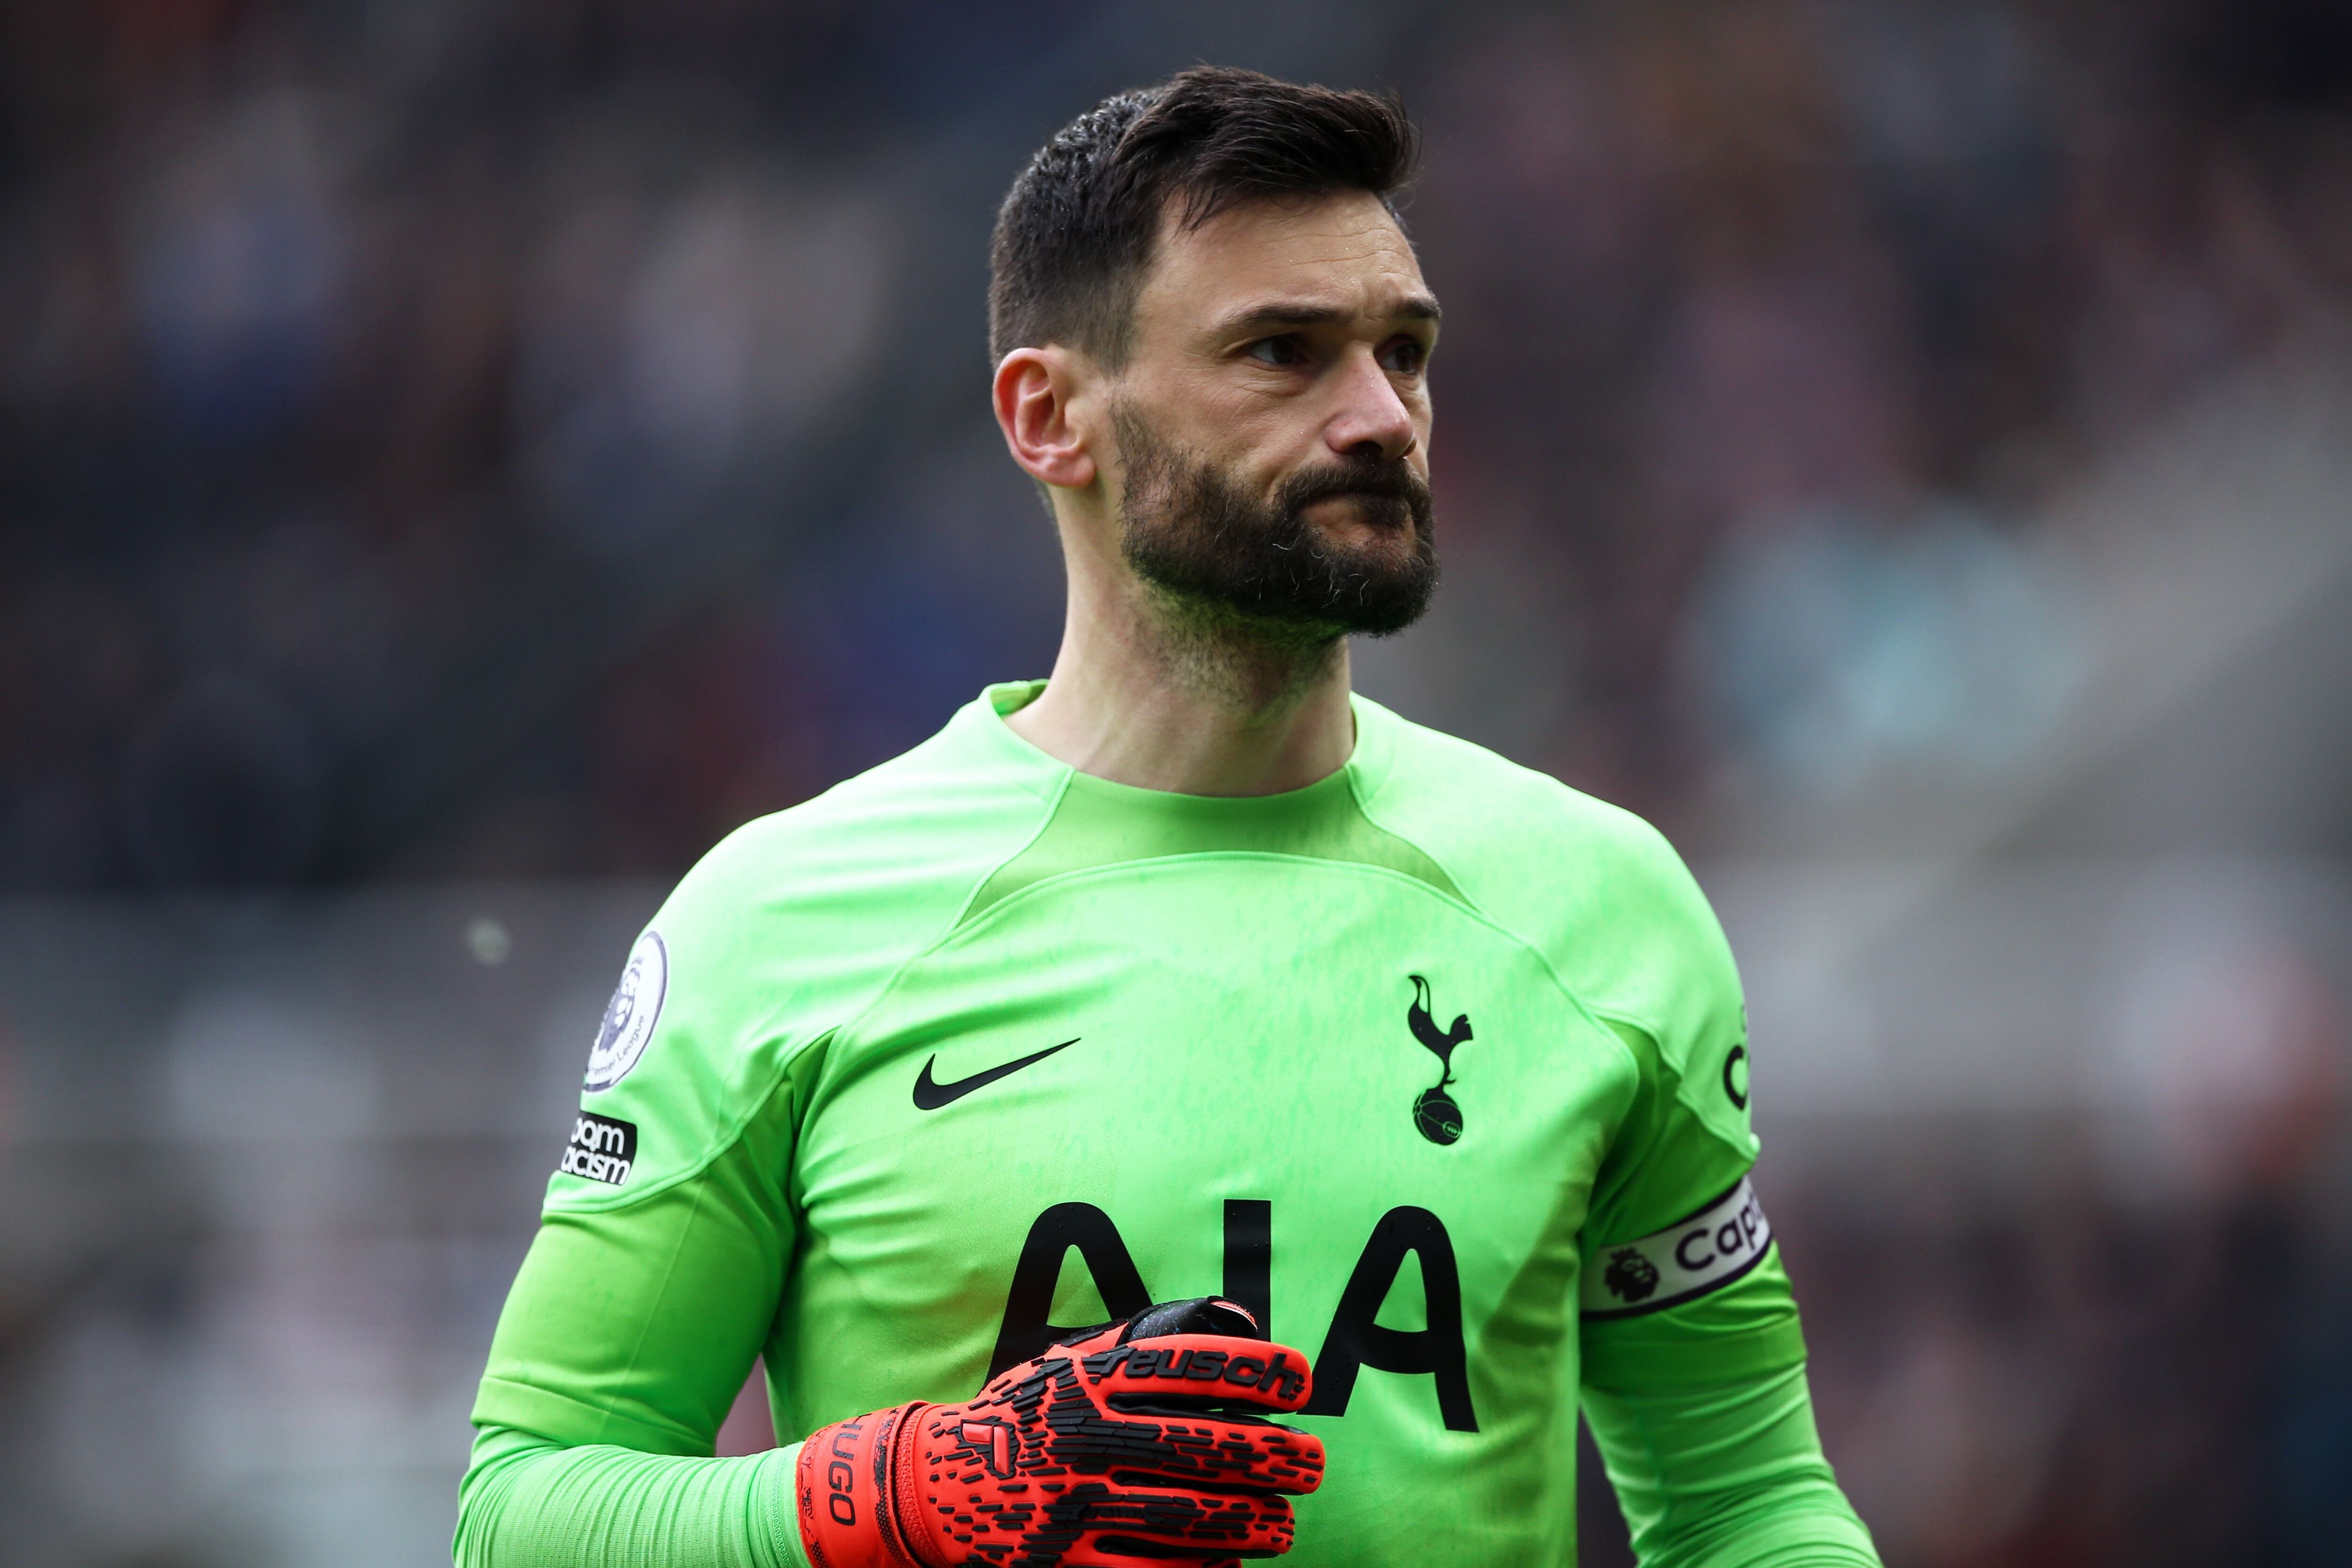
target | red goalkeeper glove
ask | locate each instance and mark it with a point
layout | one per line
(1135, 1444)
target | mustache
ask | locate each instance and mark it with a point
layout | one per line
(1368, 479)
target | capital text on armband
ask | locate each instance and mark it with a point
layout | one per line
(1706, 1251)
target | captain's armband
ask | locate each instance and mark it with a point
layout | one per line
(1681, 1263)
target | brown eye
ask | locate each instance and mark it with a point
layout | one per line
(1279, 351)
(1405, 357)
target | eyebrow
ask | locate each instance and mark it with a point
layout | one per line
(1284, 313)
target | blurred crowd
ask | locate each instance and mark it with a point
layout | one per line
(446, 437)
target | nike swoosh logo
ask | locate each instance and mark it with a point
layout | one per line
(931, 1096)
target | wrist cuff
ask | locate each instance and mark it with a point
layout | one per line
(849, 1495)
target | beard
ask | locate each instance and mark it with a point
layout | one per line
(1228, 559)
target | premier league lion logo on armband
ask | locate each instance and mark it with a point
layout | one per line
(1629, 1276)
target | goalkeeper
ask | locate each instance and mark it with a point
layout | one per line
(1414, 1082)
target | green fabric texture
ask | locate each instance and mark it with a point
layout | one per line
(637, 1325)
(972, 1046)
(1727, 1476)
(1749, 1329)
(1099, 823)
(1657, 1170)
(530, 1504)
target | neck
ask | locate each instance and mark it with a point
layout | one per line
(1155, 694)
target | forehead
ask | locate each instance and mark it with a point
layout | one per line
(1343, 251)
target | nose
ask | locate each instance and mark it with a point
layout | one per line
(1371, 419)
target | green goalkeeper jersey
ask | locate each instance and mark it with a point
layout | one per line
(1437, 1065)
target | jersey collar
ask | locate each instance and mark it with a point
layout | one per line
(1365, 769)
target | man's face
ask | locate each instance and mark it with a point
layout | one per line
(1273, 419)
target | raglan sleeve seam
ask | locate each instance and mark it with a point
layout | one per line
(917, 951)
(1744, 1156)
(811, 1036)
(817, 1038)
(1478, 907)
(732, 1132)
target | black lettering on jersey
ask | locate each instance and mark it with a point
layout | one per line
(1028, 1304)
(1249, 1259)
(1356, 1341)
(603, 1149)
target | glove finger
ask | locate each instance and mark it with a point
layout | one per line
(1202, 1451)
(966, 1448)
(1116, 1555)
(1128, 1524)
(1102, 1523)
(1201, 1315)
(1217, 1367)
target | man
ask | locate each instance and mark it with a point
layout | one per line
(1182, 972)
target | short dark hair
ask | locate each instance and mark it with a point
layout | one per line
(1077, 232)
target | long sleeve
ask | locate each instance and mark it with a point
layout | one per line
(1693, 1359)
(1726, 1474)
(528, 1502)
(670, 1230)
(626, 1335)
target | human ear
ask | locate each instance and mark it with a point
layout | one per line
(1034, 394)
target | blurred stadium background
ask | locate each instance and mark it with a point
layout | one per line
(458, 457)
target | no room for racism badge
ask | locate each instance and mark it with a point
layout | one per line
(631, 1015)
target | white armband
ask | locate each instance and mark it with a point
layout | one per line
(1706, 1252)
